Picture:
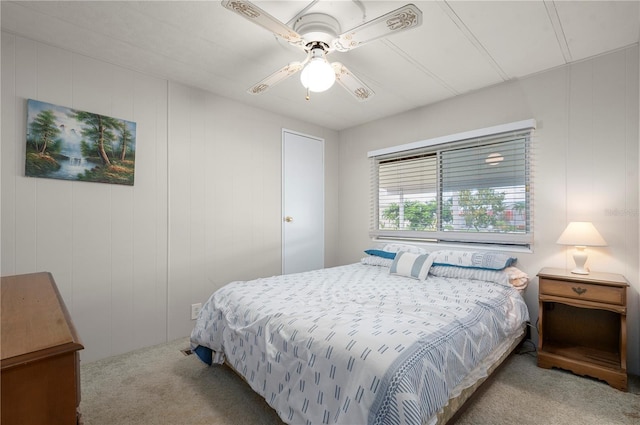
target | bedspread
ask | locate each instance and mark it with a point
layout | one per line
(353, 344)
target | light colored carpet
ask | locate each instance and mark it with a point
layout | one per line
(160, 385)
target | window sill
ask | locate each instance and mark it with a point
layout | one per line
(456, 245)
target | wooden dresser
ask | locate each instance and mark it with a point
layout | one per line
(583, 324)
(39, 353)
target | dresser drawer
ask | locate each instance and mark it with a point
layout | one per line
(583, 291)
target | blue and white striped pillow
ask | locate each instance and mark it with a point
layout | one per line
(473, 259)
(411, 265)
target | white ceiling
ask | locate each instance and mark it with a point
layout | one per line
(461, 46)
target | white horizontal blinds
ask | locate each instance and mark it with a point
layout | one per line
(485, 185)
(407, 192)
(474, 190)
(484, 166)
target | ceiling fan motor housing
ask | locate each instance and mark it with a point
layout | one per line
(317, 27)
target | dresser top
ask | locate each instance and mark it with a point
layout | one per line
(611, 279)
(34, 318)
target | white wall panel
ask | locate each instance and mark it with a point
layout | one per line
(54, 227)
(150, 214)
(179, 165)
(633, 163)
(609, 130)
(8, 155)
(91, 267)
(25, 200)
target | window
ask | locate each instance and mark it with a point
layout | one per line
(471, 187)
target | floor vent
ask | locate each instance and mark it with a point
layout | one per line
(186, 352)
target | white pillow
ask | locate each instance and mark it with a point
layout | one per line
(487, 260)
(511, 275)
(411, 265)
(372, 260)
(397, 247)
(517, 277)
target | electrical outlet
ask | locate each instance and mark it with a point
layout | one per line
(195, 310)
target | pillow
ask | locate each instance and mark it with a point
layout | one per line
(411, 265)
(496, 276)
(487, 260)
(397, 247)
(372, 260)
(380, 253)
(517, 277)
(509, 276)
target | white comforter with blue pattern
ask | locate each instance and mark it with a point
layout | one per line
(355, 345)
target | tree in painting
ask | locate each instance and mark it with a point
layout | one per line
(43, 144)
(125, 142)
(98, 129)
(99, 132)
(43, 131)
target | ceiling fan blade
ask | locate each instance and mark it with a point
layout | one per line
(404, 18)
(250, 11)
(278, 76)
(346, 79)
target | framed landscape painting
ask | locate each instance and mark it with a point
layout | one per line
(65, 143)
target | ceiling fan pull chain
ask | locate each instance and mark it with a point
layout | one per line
(307, 96)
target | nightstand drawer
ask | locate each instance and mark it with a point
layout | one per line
(583, 291)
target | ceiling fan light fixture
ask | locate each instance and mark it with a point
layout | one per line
(318, 75)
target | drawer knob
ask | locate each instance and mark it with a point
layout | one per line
(579, 290)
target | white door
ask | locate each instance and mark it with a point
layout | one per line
(302, 202)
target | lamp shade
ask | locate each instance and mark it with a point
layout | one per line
(581, 233)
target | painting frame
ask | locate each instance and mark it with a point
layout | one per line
(70, 144)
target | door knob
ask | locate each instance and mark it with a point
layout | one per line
(288, 219)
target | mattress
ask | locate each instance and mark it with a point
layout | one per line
(355, 344)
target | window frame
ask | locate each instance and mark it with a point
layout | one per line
(512, 131)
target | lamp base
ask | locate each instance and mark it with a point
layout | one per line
(580, 257)
(580, 271)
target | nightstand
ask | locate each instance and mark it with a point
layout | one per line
(583, 324)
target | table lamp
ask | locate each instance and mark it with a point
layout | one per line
(581, 234)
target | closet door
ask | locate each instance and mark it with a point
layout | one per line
(302, 202)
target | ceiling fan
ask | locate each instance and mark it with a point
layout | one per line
(319, 34)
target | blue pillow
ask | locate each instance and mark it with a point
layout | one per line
(380, 253)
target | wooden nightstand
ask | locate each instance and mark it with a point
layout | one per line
(583, 324)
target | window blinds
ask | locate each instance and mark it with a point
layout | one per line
(475, 190)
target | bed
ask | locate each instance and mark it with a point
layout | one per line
(401, 337)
